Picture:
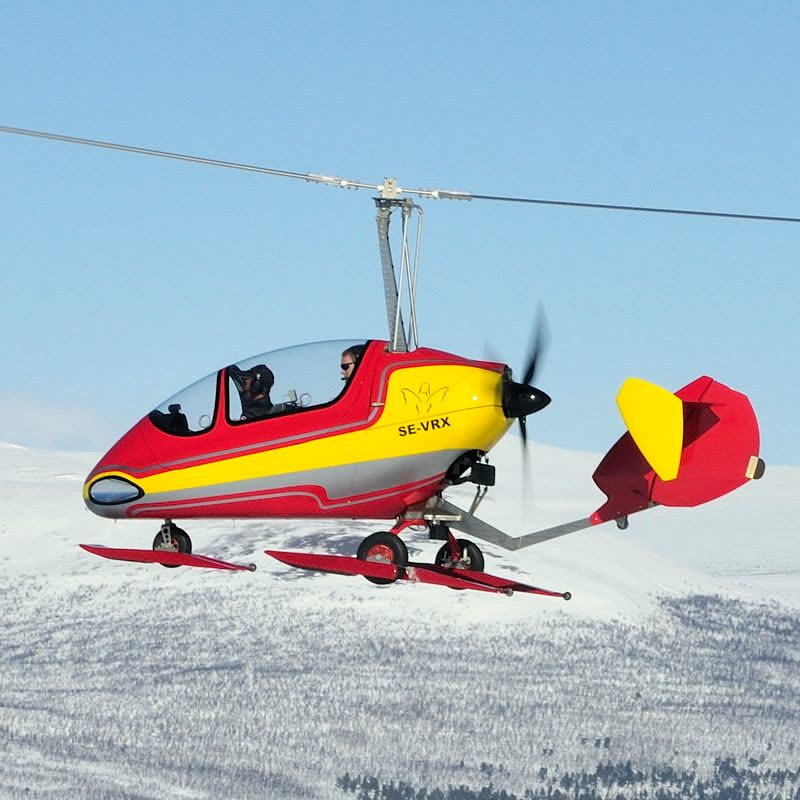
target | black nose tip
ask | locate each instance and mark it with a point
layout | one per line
(519, 400)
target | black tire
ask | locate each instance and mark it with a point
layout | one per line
(387, 548)
(181, 543)
(471, 556)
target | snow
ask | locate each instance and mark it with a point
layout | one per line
(127, 680)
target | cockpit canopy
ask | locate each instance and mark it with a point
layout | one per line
(289, 380)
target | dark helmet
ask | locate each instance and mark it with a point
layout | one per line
(263, 379)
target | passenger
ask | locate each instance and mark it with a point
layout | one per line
(254, 386)
(350, 358)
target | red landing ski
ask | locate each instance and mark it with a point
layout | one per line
(165, 557)
(416, 573)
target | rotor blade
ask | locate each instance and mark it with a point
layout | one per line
(281, 173)
(388, 188)
(644, 209)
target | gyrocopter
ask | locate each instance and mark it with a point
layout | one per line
(380, 429)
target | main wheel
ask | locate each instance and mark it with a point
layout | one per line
(471, 556)
(384, 547)
(172, 539)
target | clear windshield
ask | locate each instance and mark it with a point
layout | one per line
(277, 382)
(287, 380)
(190, 411)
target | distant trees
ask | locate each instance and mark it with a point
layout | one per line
(727, 780)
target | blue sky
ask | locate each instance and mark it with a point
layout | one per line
(125, 278)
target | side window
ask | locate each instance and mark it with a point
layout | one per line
(286, 381)
(190, 411)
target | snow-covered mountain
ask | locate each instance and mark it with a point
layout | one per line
(680, 645)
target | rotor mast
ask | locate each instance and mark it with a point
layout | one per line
(399, 294)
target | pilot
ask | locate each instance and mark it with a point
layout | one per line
(350, 358)
(254, 386)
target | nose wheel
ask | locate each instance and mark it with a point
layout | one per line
(172, 539)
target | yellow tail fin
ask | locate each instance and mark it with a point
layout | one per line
(654, 418)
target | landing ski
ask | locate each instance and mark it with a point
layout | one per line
(414, 572)
(168, 558)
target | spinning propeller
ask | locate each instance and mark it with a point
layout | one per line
(521, 399)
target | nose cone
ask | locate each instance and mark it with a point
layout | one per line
(519, 400)
(113, 486)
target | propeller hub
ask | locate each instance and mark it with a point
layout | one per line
(520, 399)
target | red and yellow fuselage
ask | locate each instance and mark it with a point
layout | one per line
(386, 442)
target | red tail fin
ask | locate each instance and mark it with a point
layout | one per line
(719, 454)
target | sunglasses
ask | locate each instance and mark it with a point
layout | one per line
(347, 366)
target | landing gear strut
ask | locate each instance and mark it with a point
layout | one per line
(173, 539)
